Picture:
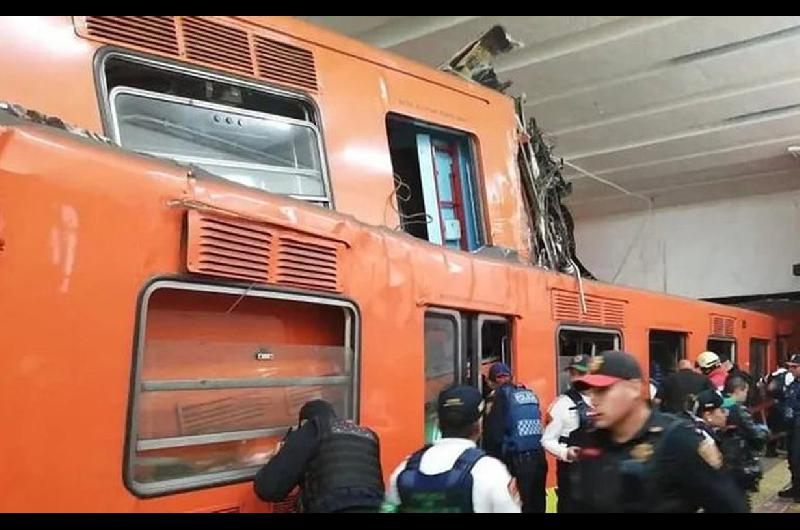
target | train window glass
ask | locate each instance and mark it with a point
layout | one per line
(725, 348)
(783, 350)
(435, 183)
(495, 343)
(221, 377)
(758, 358)
(441, 360)
(258, 139)
(666, 349)
(573, 341)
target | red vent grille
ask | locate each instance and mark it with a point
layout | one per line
(722, 326)
(307, 263)
(229, 247)
(149, 33)
(566, 307)
(205, 40)
(248, 250)
(284, 63)
(217, 44)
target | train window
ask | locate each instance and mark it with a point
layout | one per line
(435, 183)
(442, 346)
(221, 374)
(494, 343)
(574, 341)
(783, 349)
(725, 348)
(666, 349)
(258, 139)
(758, 358)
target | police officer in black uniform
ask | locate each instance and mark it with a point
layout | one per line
(791, 408)
(638, 460)
(335, 462)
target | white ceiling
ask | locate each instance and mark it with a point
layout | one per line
(680, 109)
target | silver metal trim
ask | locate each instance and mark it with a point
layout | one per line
(204, 439)
(165, 385)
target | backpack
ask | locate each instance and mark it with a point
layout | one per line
(523, 420)
(449, 491)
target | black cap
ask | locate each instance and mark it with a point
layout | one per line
(707, 400)
(794, 359)
(580, 363)
(497, 370)
(316, 408)
(459, 406)
(608, 368)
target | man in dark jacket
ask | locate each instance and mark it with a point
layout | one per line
(674, 393)
(335, 462)
(741, 439)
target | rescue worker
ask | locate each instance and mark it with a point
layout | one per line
(453, 474)
(638, 460)
(335, 462)
(568, 413)
(711, 366)
(512, 433)
(673, 395)
(792, 414)
(742, 438)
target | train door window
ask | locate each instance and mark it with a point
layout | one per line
(442, 359)
(666, 349)
(725, 348)
(783, 349)
(435, 183)
(574, 341)
(243, 133)
(758, 358)
(494, 344)
(212, 400)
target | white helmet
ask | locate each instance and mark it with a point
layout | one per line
(708, 359)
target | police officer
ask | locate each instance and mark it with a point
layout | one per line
(528, 466)
(792, 414)
(774, 386)
(709, 414)
(335, 462)
(453, 474)
(567, 413)
(638, 460)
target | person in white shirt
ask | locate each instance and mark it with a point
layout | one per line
(453, 474)
(567, 413)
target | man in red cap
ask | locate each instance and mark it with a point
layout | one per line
(637, 460)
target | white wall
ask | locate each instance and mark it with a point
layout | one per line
(728, 248)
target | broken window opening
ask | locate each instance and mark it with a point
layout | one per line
(435, 183)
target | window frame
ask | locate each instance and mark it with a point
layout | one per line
(312, 111)
(734, 348)
(183, 484)
(615, 332)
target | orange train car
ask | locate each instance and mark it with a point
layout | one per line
(170, 300)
